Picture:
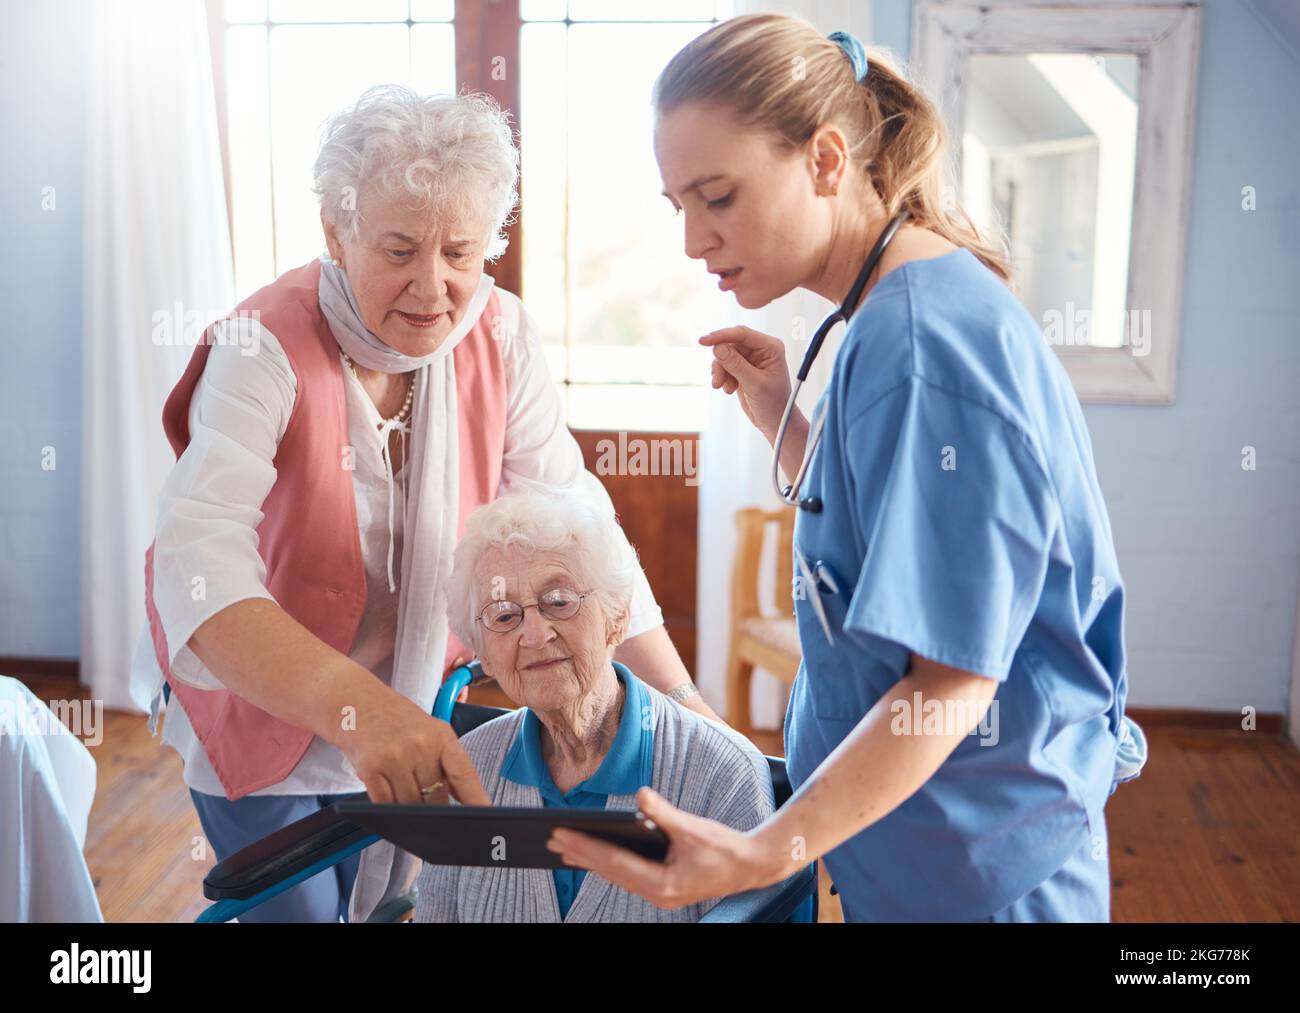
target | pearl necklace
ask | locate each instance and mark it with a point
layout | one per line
(406, 406)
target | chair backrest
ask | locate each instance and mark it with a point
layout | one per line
(752, 526)
(468, 716)
(465, 717)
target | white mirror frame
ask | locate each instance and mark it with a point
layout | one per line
(1165, 36)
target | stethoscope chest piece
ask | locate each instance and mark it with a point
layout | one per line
(812, 504)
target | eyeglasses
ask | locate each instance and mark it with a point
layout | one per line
(504, 616)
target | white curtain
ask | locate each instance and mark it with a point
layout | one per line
(736, 462)
(157, 269)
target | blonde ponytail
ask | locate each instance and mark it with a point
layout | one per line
(780, 74)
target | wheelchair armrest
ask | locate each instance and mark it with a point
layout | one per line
(281, 854)
(774, 903)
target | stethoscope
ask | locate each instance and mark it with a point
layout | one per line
(790, 493)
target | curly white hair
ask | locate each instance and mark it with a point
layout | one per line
(589, 538)
(452, 154)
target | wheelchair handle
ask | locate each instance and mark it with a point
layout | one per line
(452, 686)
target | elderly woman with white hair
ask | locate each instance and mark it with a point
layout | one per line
(295, 590)
(542, 586)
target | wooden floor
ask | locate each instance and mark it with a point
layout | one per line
(1210, 832)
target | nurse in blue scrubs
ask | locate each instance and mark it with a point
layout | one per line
(957, 722)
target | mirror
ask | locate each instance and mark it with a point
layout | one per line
(1048, 159)
(1072, 125)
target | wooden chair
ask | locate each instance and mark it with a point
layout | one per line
(759, 640)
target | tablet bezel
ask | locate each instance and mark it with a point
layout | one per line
(500, 836)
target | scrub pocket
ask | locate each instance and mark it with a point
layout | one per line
(1079, 891)
(1095, 821)
(837, 686)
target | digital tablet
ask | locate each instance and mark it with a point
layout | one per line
(499, 836)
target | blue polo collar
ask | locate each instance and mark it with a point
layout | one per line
(627, 766)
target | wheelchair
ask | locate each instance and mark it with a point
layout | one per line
(320, 841)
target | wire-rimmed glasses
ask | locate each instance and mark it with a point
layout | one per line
(557, 603)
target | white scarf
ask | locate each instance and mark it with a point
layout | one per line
(432, 506)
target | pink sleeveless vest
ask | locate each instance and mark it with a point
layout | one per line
(308, 537)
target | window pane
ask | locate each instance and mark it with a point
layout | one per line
(631, 282)
(250, 158)
(625, 10)
(245, 10)
(432, 10)
(642, 10)
(338, 10)
(316, 71)
(543, 125)
(595, 363)
(638, 408)
(542, 10)
(433, 59)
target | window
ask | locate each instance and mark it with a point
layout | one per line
(620, 304)
(603, 269)
(290, 64)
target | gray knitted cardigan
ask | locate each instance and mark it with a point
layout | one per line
(699, 766)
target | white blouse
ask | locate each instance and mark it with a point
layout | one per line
(205, 554)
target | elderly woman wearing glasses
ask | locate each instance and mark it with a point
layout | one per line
(541, 587)
(332, 435)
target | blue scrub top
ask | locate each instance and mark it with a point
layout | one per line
(627, 767)
(963, 522)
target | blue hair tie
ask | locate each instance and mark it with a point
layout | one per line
(853, 48)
